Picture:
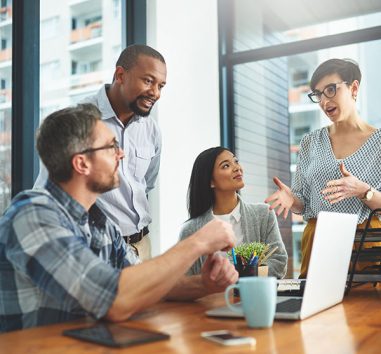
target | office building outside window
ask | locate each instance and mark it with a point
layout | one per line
(80, 42)
(5, 102)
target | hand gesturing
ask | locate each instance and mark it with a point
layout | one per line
(346, 187)
(282, 199)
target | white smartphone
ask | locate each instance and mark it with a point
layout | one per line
(227, 338)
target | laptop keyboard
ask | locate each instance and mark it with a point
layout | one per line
(291, 287)
(291, 305)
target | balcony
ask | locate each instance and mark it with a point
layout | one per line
(80, 81)
(6, 54)
(5, 13)
(5, 95)
(91, 31)
(298, 95)
(5, 141)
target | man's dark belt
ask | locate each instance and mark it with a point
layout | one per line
(136, 237)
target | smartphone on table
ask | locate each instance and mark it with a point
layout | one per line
(114, 335)
(225, 337)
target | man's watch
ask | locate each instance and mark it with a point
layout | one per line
(368, 194)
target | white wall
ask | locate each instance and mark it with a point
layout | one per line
(186, 33)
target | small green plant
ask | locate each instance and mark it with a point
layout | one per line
(246, 251)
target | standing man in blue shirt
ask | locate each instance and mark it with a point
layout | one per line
(126, 104)
(61, 258)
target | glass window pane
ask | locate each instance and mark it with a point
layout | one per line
(264, 23)
(80, 43)
(5, 102)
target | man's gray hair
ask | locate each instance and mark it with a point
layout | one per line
(64, 133)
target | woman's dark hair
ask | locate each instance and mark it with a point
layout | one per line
(347, 69)
(200, 193)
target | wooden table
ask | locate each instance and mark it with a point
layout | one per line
(351, 327)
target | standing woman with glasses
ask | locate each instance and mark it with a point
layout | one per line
(339, 166)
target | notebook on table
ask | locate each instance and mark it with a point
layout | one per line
(327, 272)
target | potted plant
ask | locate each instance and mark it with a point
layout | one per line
(251, 258)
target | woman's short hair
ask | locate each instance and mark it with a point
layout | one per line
(347, 69)
(64, 133)
(200, 193)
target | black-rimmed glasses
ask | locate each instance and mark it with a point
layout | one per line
(329, 92)
(115, 145)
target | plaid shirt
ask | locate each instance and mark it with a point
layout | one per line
(58, 262)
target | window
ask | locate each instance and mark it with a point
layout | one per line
(78, 65)
(92, 20)
(85, 67)
(5, 102)
(6, 10)
(259, 24)
(264, 84)
(300, 77)
(62, 93)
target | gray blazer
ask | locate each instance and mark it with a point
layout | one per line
(258, 224)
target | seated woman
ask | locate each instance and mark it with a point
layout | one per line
(216, 178)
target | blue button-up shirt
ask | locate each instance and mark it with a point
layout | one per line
(140, 139)
(58, 262)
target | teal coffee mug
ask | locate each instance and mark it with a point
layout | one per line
(258, 300)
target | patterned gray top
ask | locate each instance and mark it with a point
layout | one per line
(317, 165)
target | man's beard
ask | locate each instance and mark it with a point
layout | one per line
(102, 187)
(135, 108)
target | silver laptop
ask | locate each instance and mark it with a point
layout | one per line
(327, 271)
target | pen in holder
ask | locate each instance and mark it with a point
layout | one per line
(245, 270)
